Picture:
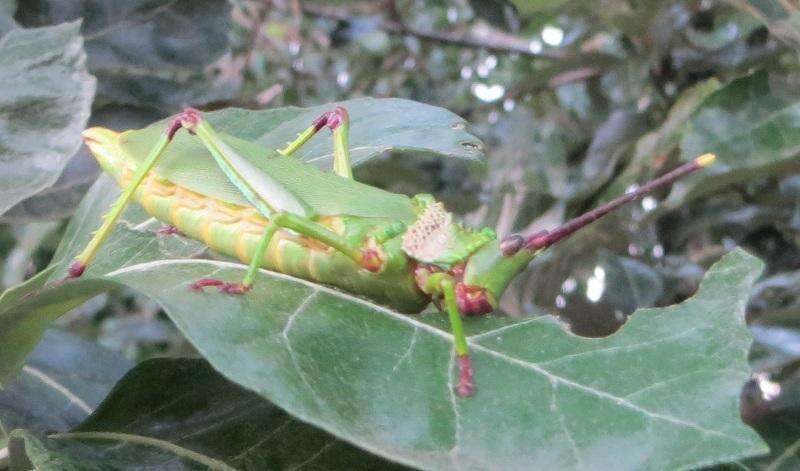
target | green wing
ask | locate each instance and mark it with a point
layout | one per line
(187, 163)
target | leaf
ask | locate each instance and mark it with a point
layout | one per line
(532, 7)
(18, 262)
(752, 126)
(546, 399)
(147, 52)
(382, 380)
(60, 200)
(7, 9)
(44, 106)
(184, 405)
(56, 391)
(377, 126)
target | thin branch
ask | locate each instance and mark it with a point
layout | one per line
(479, 36)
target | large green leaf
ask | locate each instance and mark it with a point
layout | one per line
(180, 405)
(752, 124)
(546, 398)
(382, 380)
(56, 391)
(377, 126)
(45, 103)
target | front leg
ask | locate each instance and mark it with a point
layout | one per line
(442, 284)
(110, 218)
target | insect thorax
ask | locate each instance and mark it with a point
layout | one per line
(434, 237)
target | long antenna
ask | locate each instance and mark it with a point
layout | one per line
(515, 242)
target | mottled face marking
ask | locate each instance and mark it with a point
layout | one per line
(434, 238)
(431, 235)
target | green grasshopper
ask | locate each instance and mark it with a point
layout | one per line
(271, 210)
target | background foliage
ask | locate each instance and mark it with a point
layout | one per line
(577, 101)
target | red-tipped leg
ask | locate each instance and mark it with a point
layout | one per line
(332, 119)
(466, 382)
(169, 230)
(76, 269)
(224, 287)
(188, 119)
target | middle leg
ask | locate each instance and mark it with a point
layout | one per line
(339, 123)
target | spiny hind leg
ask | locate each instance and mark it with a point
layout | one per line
(339, 123)
(110, 218)
(367, 258)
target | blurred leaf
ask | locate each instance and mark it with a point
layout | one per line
(783, 22)
(44, 106)
(56, 390)
(61, 199)
(653, 146)
(18, 263)
(146, 51)
(377, 126)
(214, 418)
(7, 9)
(365, 376)
(752, 126)
(529, 7)
(500, 13)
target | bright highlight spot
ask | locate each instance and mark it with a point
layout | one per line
(488, 93)
(535, 46)
(596, 285)
(569, 285)
(452, 14)
(552, 35)
(342, 78)
(599, 272)
(769, 389)
(649, 203)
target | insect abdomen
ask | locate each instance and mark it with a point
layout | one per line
(236, 230)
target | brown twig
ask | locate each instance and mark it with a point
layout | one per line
(479, 36)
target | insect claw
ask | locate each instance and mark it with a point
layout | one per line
(188, 119)
(466, 374)
(337, 117)
(170, 230)
(332, 119)
(203, 282)
(234, 288)
(76, 269)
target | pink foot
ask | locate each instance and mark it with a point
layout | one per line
(170, 230)
(466, 382)
(76, 269)
(224, 287)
